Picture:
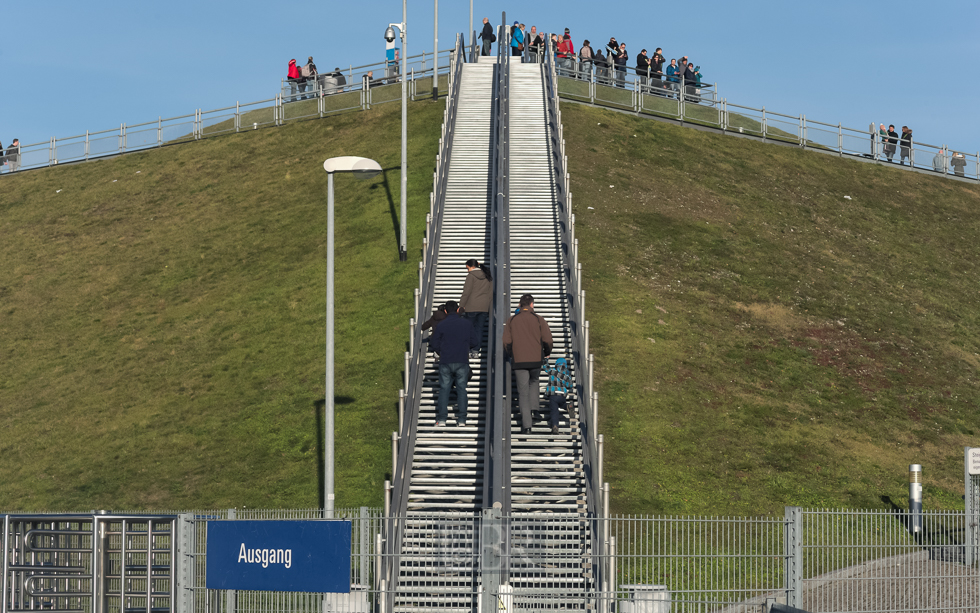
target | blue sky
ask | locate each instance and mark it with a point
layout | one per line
(67, 66)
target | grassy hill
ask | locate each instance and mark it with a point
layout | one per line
(163, 319)
(773, 327)
(761, 339)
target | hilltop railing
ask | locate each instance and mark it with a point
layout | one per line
(651, 93)
(327, 98)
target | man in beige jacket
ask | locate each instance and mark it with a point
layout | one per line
(527, 338)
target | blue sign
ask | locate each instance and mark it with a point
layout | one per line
(280, 556)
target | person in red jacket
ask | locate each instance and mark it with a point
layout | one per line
(296, 81)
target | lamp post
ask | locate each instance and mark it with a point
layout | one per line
(361, 168)
(435, 51)
(390, 36)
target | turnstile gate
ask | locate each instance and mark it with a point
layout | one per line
(89, 563)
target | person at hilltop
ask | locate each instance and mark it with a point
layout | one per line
(892, 141)
(643, 67)
(530, 47)
(297, 83)
(906, 144)
(516, 40)
(477, 296)
(309, 73)
(487, 36)
(958, 162)
(585, 60)
(672, 79)
(621, 61)
(657, 68)
(566, 53)
(12, 156)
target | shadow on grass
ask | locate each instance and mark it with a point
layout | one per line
(391, 207)
(318, 436)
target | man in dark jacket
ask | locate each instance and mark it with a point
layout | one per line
(527, 338)
(691, 83)
(487, 36)
(643, 67)
(453, 340)
(891, 142)
(621, 60)
(13, 155)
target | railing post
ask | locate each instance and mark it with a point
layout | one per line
(591, 373)
(803, 123)
(840, 139)
(601, 445)
(401, 410)
(764, 127)
(86, 145)
(408, 360)
(411, 335)
(238, 116)
(591, 83)
(681, 97)
(120, 143)
(394, 455)
(793, 554)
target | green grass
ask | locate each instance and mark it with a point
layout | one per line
(762, 340)
(163, 319)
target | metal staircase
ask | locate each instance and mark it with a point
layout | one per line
(436, 568)
(552, 557)
(483, 515)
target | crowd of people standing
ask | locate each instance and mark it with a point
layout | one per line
(610, 62)
(306, 79)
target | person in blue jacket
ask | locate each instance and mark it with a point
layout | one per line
(516, 40)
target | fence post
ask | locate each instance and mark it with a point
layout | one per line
(238, 116)
(793, 554)
(52, 152)
(231, 596)
(803, 131)
(120, 143)
(969, 511)
(492, 556)
(159, 130)
(86, 145)
(681, 96)
(840, 139)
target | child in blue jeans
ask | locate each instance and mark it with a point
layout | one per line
(559, 385)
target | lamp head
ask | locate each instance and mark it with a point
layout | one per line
(362, 168)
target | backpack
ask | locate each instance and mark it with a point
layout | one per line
(304, 71)
(493, 38)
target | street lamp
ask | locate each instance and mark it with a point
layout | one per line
(361, 168)
(390, 36)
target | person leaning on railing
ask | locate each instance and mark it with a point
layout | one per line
(585, 60)
(12, 156)
(958, 162)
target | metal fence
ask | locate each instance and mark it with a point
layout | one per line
(366, 86)
(645, 92)
(818, 560)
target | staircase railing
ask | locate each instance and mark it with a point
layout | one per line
(588, 399)
(410, 398)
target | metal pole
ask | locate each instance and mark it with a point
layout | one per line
(328, 494)
(435, 51)
(915, 499)
(471, 30)
(403, 238)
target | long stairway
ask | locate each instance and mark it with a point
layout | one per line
(547, 473)
(437, 563)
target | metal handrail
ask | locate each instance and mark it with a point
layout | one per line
(497, 446)
(796, 129)
(579, 343)
(114, 141)
(402, 473)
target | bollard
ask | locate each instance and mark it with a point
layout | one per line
(915, 499)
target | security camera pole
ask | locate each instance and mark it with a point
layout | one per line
(390, 35)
